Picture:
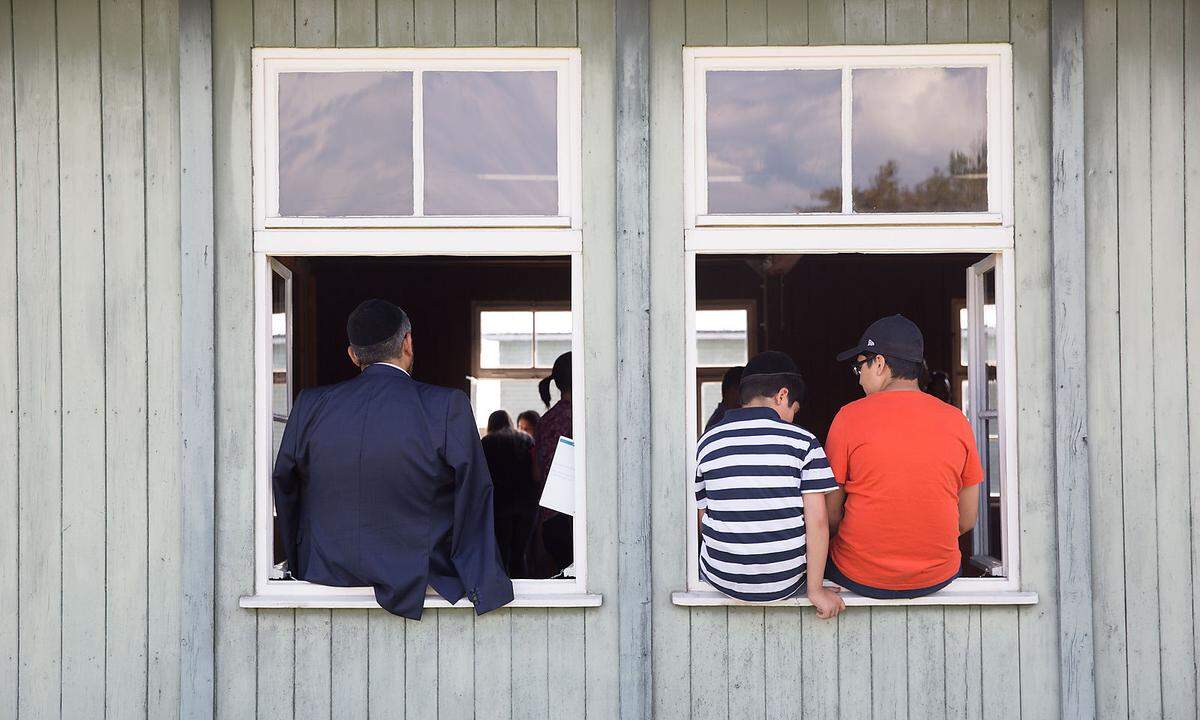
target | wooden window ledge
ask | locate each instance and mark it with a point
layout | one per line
(361, 602)
(711, 598)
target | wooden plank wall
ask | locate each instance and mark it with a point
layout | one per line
(89, 330)
(1141, 98)
(89, 317)
(315, 663)
(882, 662)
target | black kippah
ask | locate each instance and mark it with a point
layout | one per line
(372, 322)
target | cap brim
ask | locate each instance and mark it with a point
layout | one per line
(852, 352)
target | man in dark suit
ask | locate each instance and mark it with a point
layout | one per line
(381, 480)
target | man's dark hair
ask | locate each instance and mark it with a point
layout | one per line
(756, 386)
(905, 369)
(529, 416)
(733, 376)
(389, 349)
(498, 420)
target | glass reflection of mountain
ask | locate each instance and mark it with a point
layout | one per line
(962, 187)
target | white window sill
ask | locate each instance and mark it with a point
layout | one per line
(367, 602)
(712, 598)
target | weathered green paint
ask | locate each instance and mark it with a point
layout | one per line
(96, 367)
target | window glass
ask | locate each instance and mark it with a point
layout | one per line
(721, 339)
(506, 339)
(281, 401)
(491, 145)
(515, 395)
(774, 141)
(710, 397)
(345, 144)
(989, 336)
(553, 336)
(920, 140)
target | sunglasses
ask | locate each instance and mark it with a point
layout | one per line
(856, 368)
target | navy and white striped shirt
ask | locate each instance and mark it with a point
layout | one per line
(752, 471)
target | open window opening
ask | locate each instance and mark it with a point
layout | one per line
(812, 306)
(492, 327)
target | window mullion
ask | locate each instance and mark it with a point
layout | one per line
(418, 149)
(847, 141)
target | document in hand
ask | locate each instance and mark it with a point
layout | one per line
(559, 493)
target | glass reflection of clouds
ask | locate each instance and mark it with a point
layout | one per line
(345, 144)
(919, 139)
(774, 141)
(491, 145)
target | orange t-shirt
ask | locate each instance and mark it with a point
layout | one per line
(901, 457)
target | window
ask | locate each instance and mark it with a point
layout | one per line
(448, 182)
(814, 136)
(807, 199)
(724, 340)
(515, 346)
(430, 138)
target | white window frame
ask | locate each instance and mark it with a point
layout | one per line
(413, 240)
(996, 58)
(990, 234)
(268, 63)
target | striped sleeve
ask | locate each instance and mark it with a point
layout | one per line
(701, 492)
(815, 474)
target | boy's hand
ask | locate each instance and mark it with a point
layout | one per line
(826, 601)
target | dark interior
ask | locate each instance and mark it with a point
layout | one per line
(436, 292)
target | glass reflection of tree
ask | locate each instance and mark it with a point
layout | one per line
(961, 187)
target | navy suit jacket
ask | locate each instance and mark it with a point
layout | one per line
(381, 481)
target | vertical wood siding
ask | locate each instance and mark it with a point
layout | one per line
(313, 663)
(1141, 98)
(89, 358)
(89, 318)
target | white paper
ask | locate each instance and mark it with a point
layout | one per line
(559, 492)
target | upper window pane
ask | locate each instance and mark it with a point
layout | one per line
(721, 338)
(506, 339)
(774, 141)
(345, 144)
(553, 338)
(920, 140)
(491, 145)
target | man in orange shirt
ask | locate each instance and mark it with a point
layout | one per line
(908, 473)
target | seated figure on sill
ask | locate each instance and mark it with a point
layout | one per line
(908, 473)
(764, 534)
(382, 481)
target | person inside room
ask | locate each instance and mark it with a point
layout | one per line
(382, 481)
(509, 454)
(551, 550)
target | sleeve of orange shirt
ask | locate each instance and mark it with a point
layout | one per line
(972, 472)
(836, 449)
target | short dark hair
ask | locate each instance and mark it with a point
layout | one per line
(529, 416)
(382, 351)
(499, 420)
(756, 386)
(733, 376)
(905, 369)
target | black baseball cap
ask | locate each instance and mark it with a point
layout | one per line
(893, 336)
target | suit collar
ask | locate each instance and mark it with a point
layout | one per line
(381, 368)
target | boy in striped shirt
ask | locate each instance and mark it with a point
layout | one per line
(760, 539)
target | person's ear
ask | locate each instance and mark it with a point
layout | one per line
(353, 357)
(407, 347)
